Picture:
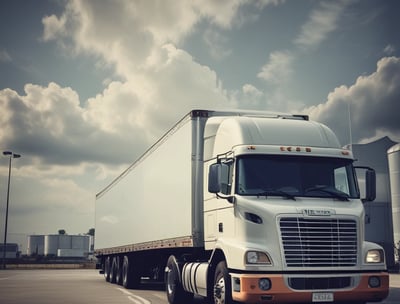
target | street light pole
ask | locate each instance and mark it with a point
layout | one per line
(11, 155)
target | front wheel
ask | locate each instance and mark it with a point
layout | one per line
(175, 292)
(222, 293)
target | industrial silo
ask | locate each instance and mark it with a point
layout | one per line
(64, 241)
(35, 245)
(394, 173)
(80, 242)
(51, 244)
(79, 247)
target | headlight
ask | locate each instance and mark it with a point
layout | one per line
(375, 256)
(257, 257)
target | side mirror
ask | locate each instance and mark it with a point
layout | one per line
(214, 178)
(370, 185)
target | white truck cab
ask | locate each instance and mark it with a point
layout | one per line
(283, 207)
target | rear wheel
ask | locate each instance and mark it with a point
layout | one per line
(130, 275)
(118, 270)
(107, 268)
(113, 270)
(175, 292)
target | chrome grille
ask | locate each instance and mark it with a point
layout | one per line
(319, 242)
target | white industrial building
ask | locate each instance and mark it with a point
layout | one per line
(59, 245)
(11, 252)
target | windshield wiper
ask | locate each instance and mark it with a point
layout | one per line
(327, 189)
(276, 192)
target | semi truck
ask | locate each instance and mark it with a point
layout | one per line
(242, 206)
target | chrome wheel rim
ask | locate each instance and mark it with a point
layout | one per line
(219, 291)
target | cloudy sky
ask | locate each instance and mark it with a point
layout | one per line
(87, 86)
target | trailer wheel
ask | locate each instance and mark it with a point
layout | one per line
(175, 292)
(113, 270)
(130, 278)
(107, 267)
(222, 291)
(118, 270)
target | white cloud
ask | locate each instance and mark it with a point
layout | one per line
(251, 90)
(279, 69)
(373, 101)
(323, 20)
(53, 27)
(48, 123)
(216, 44)
(126, 33)
(5, 56)
(248, 98)
(389, 49)
(109, 219)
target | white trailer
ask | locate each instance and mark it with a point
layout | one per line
(242, 206)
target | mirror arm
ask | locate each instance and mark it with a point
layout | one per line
(364, 167)
(229, 198)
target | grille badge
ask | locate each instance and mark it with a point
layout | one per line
(317, 212)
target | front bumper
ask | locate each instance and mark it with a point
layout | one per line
(245, 288)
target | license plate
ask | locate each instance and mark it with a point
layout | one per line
(322, 297)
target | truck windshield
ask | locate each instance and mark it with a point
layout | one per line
(295, 176)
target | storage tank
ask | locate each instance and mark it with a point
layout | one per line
(394, 173)
(35, 245)
(80, 242)
(51, 244)
(64, 241)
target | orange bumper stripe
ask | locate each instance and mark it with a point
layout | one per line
(280, 292)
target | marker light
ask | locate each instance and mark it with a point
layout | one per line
(297, 149)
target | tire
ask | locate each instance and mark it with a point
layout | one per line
(126, 265)
(107, 269)
(130, 277)
(118, 270)
(175, 292)
(222, 291)
(113, 270)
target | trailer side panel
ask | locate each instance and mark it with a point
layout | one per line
(141, 205)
